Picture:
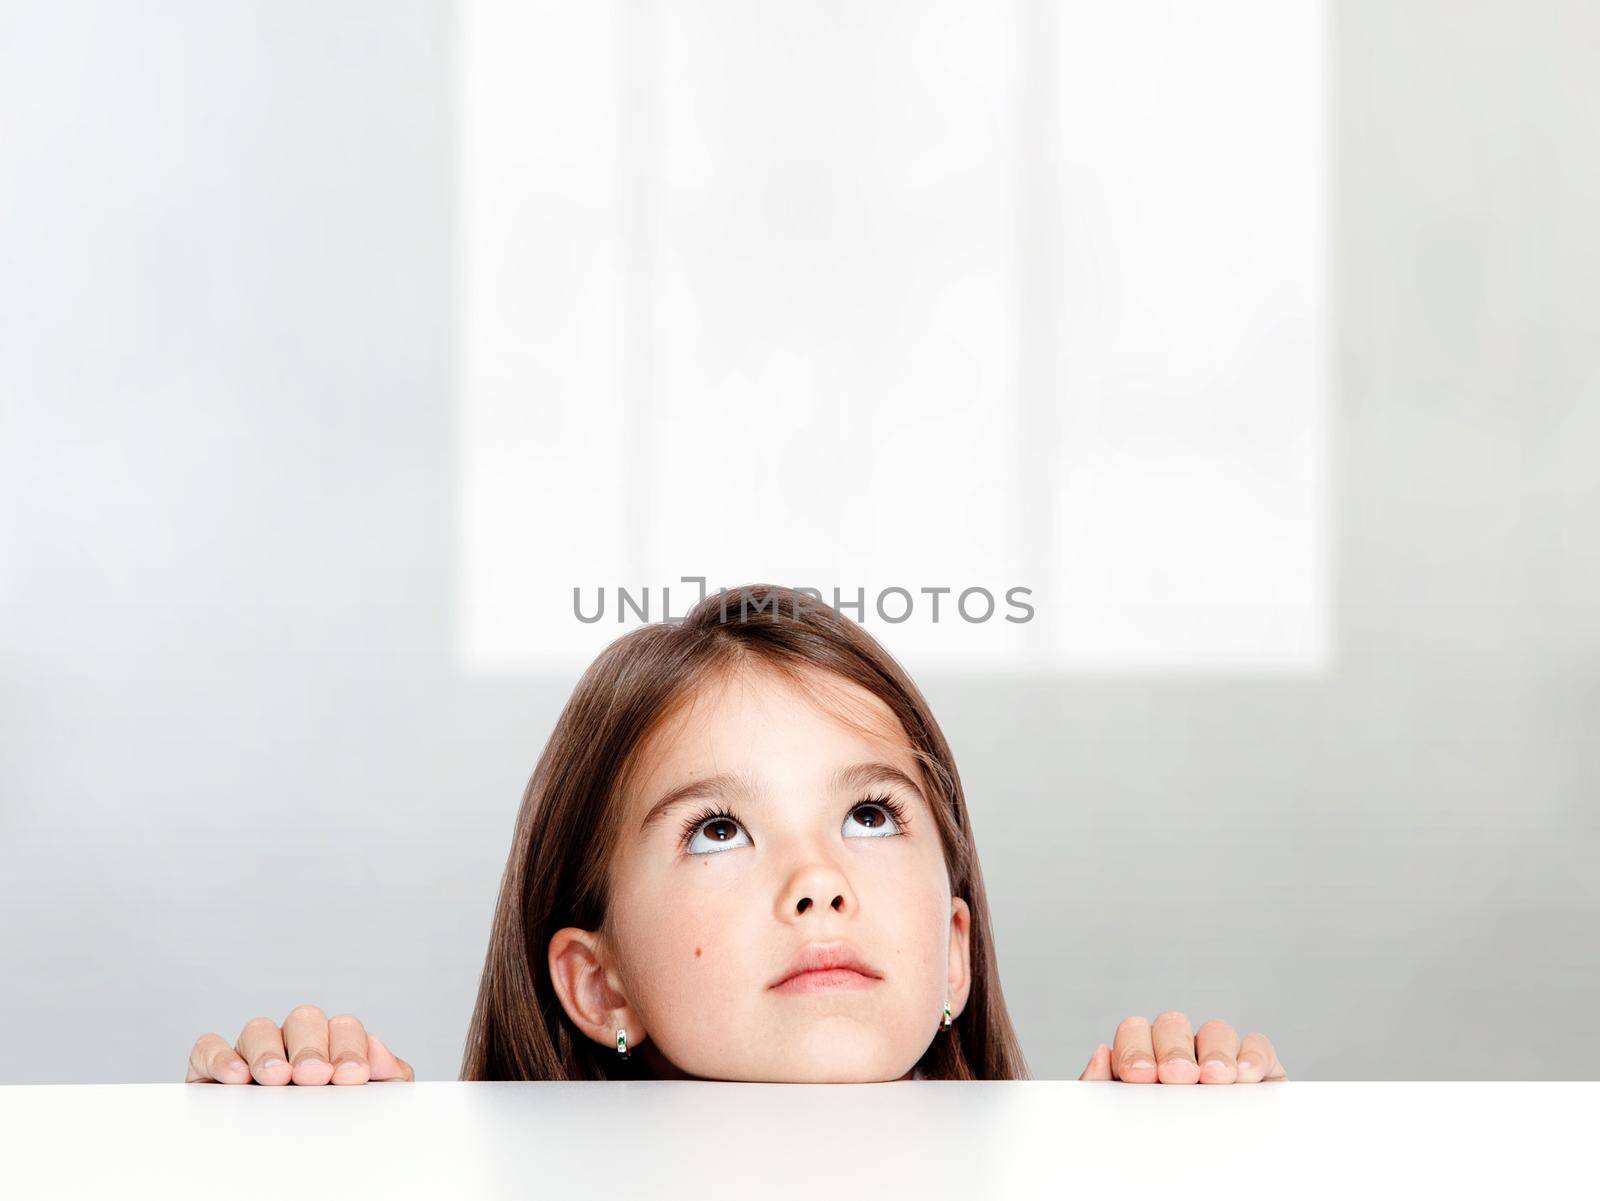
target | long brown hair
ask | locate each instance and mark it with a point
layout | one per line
(568, 825)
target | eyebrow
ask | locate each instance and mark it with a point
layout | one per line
(726, 786)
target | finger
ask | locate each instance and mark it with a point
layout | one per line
(1257, 1059)
(305, 1032)
(261, 1045)
(1217, 1047)
(213, 1061)
(1132, 1057)
(1099, 1065)
(1174, 1047)
(385, 1064)
(347, 1044)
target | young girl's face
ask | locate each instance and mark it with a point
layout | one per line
(829, 843)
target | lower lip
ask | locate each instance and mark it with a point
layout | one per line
(829, 981)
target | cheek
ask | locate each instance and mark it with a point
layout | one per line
(920, 912)
(916, 911)
(686, 954)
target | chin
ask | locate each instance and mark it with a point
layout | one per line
(833, 1052)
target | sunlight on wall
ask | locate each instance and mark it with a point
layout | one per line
(856, 298)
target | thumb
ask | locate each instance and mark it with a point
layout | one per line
(1099, 1066)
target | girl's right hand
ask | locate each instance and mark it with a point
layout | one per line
(309, 1049)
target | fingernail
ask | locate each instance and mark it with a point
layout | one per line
(1141, 1065)
(1246, 1066)
(317, 1059)
(1215, 1063)
(271, 1063)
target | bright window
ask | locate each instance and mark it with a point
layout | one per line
(861, 297)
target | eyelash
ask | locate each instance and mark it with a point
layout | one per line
(887, 803)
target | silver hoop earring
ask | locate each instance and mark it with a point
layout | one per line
(945, 1024)
(622, 1043)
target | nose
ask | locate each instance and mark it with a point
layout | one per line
(815, 888)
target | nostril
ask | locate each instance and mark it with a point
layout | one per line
(805, 903)
(838, 902)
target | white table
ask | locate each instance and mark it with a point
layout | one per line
(668, 1139)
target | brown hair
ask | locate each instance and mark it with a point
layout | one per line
(567, 827)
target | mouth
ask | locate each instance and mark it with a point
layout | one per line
(827, 980)
(826, 967)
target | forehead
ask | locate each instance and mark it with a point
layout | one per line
(754, 713)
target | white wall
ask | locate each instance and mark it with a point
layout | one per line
(248, 758)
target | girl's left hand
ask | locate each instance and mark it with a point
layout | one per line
(1167, 1052)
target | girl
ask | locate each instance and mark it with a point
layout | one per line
(744, 854)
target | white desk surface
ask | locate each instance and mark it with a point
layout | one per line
(668, 1139)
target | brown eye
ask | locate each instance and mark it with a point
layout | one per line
(873, 820)
(714, 832)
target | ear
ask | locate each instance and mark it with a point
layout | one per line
(960, 977)
(588, 989)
